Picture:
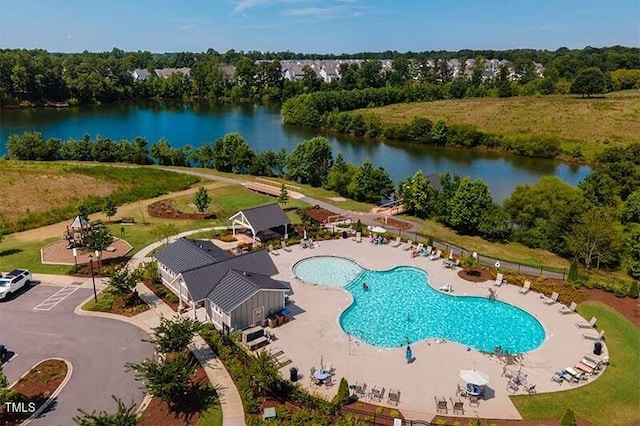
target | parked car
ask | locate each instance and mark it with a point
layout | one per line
(3, 354)
(14, 281)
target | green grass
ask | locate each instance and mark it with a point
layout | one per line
(507, 251)
(594, 123)
(611, 400)
(18, 254)
(211, 417)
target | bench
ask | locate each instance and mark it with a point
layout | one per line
(255, 344)
(127, 220)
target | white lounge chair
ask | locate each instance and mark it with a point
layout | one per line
(272, 251)
(526, 287)
(592, 336)
(499, 279)
(570, 310)
(551, 300)
(397, 243)
(284, 246)
(408, 246)
(427, 251)
(436, 256)
(584, 324)
(419, 248)
(448, 287)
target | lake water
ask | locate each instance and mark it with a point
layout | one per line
(262, 127)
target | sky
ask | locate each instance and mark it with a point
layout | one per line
(316, 26)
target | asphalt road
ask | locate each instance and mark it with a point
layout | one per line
(98, 348)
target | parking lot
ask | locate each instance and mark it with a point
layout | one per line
(39, 323)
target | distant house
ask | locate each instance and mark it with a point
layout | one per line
(264, 222)
(140, 74)
(168, 72)
(237, 291)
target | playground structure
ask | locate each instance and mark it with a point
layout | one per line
(76, 232)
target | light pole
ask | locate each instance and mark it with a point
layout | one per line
(75, 257)
(93, 278)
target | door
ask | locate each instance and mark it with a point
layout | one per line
(258, 315)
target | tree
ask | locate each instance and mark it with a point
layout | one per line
(109, 208)
(123, 281)
(371, 185)
(342, 397)
(232, 154)
(164, 231)
(633, 242)
(573, 276)
(168, 381)
(595, 236)
(589, 81)
(631, 210)
(97, 240)
(264, 372)
(496, 224)
(81, 210)
(283, 198)
(202, 199)
(173, 335)
(124, 416)
(600, 189)
(568, 419)
(310, 161)
(469, 204)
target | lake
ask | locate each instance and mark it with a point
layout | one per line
(261, 126)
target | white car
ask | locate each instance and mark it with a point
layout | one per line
(14, 281)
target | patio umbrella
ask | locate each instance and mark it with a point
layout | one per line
(321, 363)
(474, 377)
(378, 230)
(305, 234)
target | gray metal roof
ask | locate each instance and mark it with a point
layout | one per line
(235, 287)
(201, 280)
(434, 180)
(185, 254)
(266, 217)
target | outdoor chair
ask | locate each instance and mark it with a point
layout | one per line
(577, 375)
(557, 377)
(393, 397)
(419, 248)
(358, 237)
(570, 310)
(584, 324)
(526, 287)
(377, 394)
(427, 251)
(397, 243)
(457, 406)
(513, 386)
(436, 256)
(272, 251)
(474, 401)
(592, 336)
(441, 404)
(551, 300)
(584, 367)
(448, 288)
(328, 382)
(592, 362)
(284, 246)
(499, 279)
(360, 389)
(408, 246)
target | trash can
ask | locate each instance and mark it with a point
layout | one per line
(344, 234)
(597, 348)
(293, 374)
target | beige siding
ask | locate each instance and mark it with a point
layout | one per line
(271, 301)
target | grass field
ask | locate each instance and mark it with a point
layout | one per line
(612, 400)
(591, 122)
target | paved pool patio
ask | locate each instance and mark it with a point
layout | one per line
(316, 331)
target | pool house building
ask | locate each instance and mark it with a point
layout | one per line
(236, 291)
(264, 222)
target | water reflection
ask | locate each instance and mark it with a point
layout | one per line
(194, 123)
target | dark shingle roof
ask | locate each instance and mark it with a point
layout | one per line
(185, 254)
(235, 287)
(266, 217)
(201, 280)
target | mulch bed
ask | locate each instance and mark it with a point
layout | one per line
(165, 294)
(368, 412)
(37, 386)
(158, 413)
(476, 275)
(393, 223)
(319, 214)
(128, 308)
(84, 270)
(164, 210)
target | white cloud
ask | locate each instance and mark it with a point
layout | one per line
(314, 11)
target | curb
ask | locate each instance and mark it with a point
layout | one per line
(53, 395)
(79, 311)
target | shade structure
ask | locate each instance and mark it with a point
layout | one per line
(474, 377)
(377, 230)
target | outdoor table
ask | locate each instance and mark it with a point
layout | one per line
(321, 375)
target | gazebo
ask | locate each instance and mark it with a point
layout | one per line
(261, 221)
(76, 230)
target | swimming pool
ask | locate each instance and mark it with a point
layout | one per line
(400, 305)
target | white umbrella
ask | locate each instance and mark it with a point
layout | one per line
(378, 230)
(474, 377)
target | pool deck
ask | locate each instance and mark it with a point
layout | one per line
(315, 331)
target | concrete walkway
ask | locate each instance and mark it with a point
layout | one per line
(230, 401)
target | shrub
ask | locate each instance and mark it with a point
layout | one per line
(394, 413)
(633, 290)
(569, 419)
(573, 272)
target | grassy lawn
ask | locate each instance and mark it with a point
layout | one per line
(591, 122)
(612, 400)
(509, 251)
(18, 254)
(211, 417)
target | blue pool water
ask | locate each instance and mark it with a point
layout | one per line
(400, 305)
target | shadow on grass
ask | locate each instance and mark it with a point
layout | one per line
(198, 399)
(10, 252)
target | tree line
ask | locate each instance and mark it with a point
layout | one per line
(598, 221)
(36, 76)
